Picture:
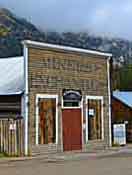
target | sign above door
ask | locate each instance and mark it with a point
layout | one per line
(72, 95)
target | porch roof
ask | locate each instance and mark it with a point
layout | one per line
(11, 75)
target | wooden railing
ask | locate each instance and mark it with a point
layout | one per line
(12, 136)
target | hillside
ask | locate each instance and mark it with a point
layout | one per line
(14, 29)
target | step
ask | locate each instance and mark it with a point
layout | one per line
(95, 145)
(44, 149)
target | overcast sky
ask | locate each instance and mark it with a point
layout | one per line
(111, 17)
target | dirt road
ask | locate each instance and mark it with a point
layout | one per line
(120, 164)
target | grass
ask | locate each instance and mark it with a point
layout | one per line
(115, 145)
(3, 155)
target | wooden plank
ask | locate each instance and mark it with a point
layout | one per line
(9, 152)
(17, 136)
(1, 136)
(4, 135)
(6, 139)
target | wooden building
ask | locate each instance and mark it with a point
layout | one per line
(11, 86)
(67, 98)
(122, 111)
(11, 114)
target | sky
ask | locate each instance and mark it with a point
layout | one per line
(106, 17)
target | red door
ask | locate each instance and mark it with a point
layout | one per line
(72, 129)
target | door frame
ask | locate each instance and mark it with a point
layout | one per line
(78, 107)
(38, 96)
(102, 114)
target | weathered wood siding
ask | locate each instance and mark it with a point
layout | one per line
(10, 106)
(121, 113)
(50, 71)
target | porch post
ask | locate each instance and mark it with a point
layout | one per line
(26, 98)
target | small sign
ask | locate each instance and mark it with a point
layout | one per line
(12, 126)
(84, 126)
(119, 131)
(91, 112)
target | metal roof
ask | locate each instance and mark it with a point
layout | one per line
(11, 75)
(66, 48)
(124, 96)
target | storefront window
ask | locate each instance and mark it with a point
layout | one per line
(94, 119)
(47, 113)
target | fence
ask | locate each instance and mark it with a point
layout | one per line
(12, 137)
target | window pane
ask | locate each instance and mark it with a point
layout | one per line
(71, 104)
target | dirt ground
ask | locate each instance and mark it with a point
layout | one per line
(120, 164)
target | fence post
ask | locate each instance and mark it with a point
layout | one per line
(1, 137)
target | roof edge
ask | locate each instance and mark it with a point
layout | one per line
(122, 102)
(66, 48)
(12, 93)
(16, 57)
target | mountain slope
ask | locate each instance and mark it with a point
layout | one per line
(14, 29)
(118, 47)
